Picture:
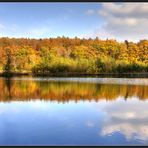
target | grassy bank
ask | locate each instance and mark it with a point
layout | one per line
(48, 74)
(14, 73)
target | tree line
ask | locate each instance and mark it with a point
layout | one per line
(72, 55)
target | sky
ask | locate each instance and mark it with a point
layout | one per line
(120, 21)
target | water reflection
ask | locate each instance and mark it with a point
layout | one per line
(129, 118)
(72, 113)
(24, 90)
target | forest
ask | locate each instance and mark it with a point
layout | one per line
(63, 55)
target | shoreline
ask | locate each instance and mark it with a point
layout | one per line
(118, 75)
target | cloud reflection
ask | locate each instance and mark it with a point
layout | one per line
(129, 118)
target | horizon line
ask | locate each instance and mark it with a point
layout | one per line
(81, 38)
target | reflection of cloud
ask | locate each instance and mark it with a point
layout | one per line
(130, 131)
(129, 118)
(4, 109)
(39, 105)
(90, 124)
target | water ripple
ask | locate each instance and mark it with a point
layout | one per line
(129, 81)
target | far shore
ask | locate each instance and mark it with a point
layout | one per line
(118, 75)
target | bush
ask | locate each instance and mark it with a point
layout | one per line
(105, 65)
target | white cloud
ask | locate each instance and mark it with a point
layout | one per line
(16, 31)
(2, 27)
(123, 21)
(124, 10)
(37, 32)
(90, 12)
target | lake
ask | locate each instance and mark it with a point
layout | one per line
(73, 111)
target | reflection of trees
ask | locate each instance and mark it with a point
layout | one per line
(5, 87)
(8, 84)
(67, 91)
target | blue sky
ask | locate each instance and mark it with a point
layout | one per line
(48, 19)
(44, 20)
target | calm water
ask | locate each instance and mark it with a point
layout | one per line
(78, 111)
